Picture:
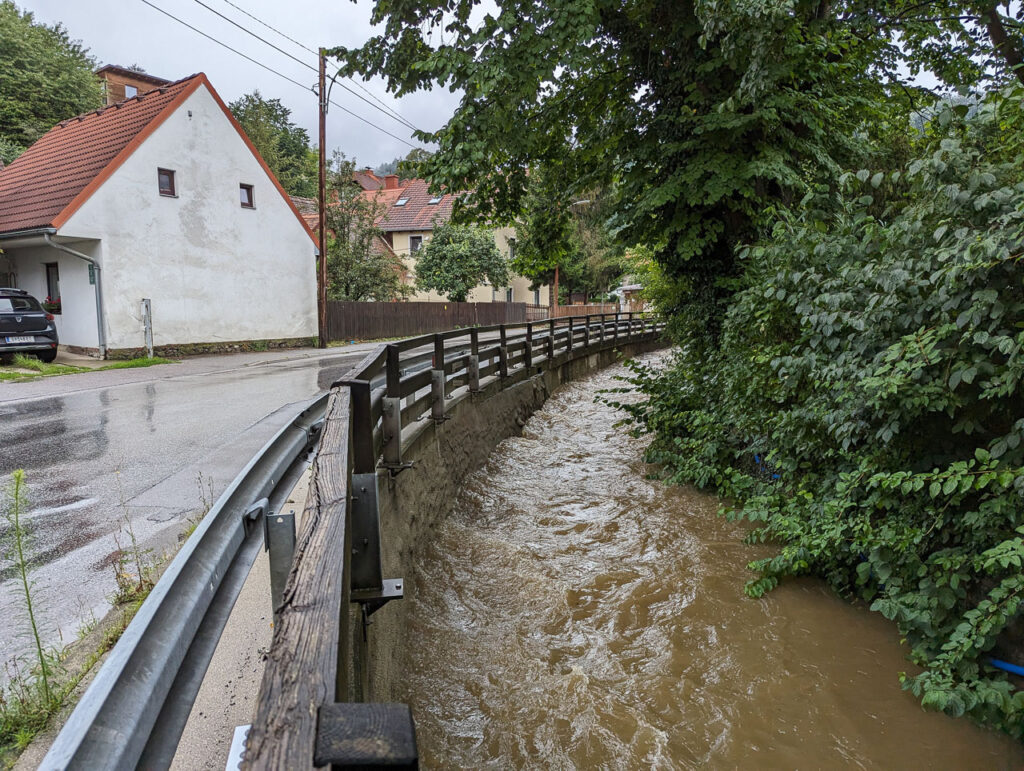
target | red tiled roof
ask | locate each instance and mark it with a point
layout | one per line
(417, 213)
(368, 180)
(47, 183)
(40, 186)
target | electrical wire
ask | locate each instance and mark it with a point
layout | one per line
(352, 80)
(305, 64)
(275, 72)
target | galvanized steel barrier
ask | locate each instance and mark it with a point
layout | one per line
(134, 712)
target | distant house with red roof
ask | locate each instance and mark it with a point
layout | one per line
(409, 214)
(158, 196)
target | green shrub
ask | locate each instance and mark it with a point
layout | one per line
(864, 404)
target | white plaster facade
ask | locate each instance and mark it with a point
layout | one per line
(214, 270)
(521, 292)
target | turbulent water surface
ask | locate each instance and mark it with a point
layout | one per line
(574, 614)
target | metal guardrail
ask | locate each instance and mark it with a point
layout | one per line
(134, 712)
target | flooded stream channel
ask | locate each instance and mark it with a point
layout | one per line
(574, 614)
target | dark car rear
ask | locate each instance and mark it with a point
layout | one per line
(25, 327)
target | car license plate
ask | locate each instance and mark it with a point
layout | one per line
(22, 339)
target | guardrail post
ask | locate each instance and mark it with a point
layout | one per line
(615, 328)
(391, 421)
(474, 360)
(551, 340)
(437, 380)
(529, 345)
(572, 332)
(279, 538)
(604, 329)
(586, 331)
(503, 352)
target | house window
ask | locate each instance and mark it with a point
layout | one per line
(508, 295)
(415, 243)
(130, 91)
(245, 195)
(536, 297)
(401, 202)
(52, 287)
(435, 200)
(165, 178)
(511, 248)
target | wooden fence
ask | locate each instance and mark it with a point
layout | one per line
(561, 311)
(374, 321)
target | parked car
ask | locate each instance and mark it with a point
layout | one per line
(25, 327)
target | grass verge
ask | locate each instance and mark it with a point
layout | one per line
(31, 368)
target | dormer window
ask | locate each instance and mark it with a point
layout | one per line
(246, 197)
(435, 200)
(401, 202)
(130, 91)
(165, 180)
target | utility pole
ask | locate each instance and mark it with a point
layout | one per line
(321, 274)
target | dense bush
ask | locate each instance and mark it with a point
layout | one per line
(864, 404)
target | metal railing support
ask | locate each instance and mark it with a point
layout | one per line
(363, 460)
(391, 419)
(437, 380)
(503, 353)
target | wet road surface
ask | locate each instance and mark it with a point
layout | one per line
(99, 447)
(572, 613)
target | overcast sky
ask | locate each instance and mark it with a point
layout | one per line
(127, 32)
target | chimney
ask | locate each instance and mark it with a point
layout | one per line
(391, 182)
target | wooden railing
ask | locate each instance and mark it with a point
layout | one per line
(337, 558)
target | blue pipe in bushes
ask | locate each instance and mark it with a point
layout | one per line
(1007, 667)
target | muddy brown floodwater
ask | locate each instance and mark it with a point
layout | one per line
(574, 614)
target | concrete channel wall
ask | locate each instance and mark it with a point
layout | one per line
(416, 500)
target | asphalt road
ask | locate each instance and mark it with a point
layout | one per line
(152, 447)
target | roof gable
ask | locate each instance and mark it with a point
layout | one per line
(51, 180)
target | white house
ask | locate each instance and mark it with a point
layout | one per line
(160, 196)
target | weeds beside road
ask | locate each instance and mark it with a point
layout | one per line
(39, 686)
(31, 368)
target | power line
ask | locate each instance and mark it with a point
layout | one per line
(305, 64)
(352, 80)
(275, 72)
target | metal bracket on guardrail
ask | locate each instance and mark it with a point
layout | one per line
(369, 588)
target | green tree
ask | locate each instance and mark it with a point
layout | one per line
(701, 115)
(568, 232)
(284, 146)
(45, 77)
(458, 258)
(359, 265)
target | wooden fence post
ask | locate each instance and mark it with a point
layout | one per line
(551, 340)
(529, 345)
